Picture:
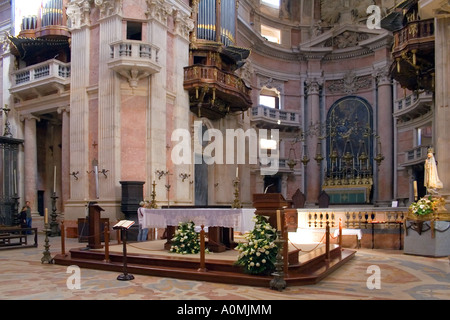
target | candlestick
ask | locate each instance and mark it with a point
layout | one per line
(278, 220)
(15, 182)
(54, 180)
(415, 189)
(96, 181)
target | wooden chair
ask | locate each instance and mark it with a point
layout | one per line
(324, 200)
(298, 199)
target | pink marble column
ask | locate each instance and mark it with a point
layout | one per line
(312, 170)
(384, 131)
(30, 159)
(65, 155)
(442, 102)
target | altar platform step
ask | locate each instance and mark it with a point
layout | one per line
(309, 268)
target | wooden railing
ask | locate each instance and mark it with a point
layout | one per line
(198, 74)
(414, 31)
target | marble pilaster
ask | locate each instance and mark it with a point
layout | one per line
(65, 154)
(157, 100)
(30, 159)
(108, 112)
(183, 191)
(384, 131)
(442, 101)
(312, 170)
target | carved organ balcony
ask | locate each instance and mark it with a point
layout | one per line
(215, 90)
(413, 48)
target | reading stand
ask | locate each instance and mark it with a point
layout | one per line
(123, 226)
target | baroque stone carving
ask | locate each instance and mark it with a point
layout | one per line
(270, 83)
(350, 83)
(183, 24)
(346, 39)
(109, 7)
(78, 13)
(246, 72)
(159, 10)
(344, 11)
(312, 86)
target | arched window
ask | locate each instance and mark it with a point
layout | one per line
(269, 97)
(272, 3)
(271, 34)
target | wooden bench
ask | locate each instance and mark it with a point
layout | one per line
(5, 239)
(9, 237)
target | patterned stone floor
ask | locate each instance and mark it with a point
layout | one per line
(401, 277)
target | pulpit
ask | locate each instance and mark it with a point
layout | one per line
(94, 241)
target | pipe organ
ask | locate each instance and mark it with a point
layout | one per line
(214, 89)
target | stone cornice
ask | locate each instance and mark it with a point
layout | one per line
(314, 49)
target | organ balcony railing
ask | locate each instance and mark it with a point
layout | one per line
(214, 93)
(413, 55)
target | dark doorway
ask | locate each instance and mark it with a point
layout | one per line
(272, 184)
(40, 202)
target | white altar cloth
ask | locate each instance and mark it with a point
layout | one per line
(349, 232)
(239, 219)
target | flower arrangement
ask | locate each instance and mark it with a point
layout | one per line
(425, 205)
(258, 254)
(185, 240)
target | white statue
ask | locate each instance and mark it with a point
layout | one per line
(431, 181)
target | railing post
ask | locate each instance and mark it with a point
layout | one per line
(63, 238)
(285, 248)
(202, 250)
(106, 231)
(327, 241)
(118, 233)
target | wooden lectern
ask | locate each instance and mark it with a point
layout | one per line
(267, 204)
(94, 241)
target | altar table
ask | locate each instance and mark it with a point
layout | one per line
(351, 232)
(221, 223)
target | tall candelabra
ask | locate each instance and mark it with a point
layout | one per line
(153, 195)
(236, 202)
(15, 209)
(46, 257)
(278, 282)
(7, 132)
(54, 227)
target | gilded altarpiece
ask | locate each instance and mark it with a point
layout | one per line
(349, 148)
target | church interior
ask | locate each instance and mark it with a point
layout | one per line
(225, 149)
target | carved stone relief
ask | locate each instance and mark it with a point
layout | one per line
(344, 11)
(350, 83)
